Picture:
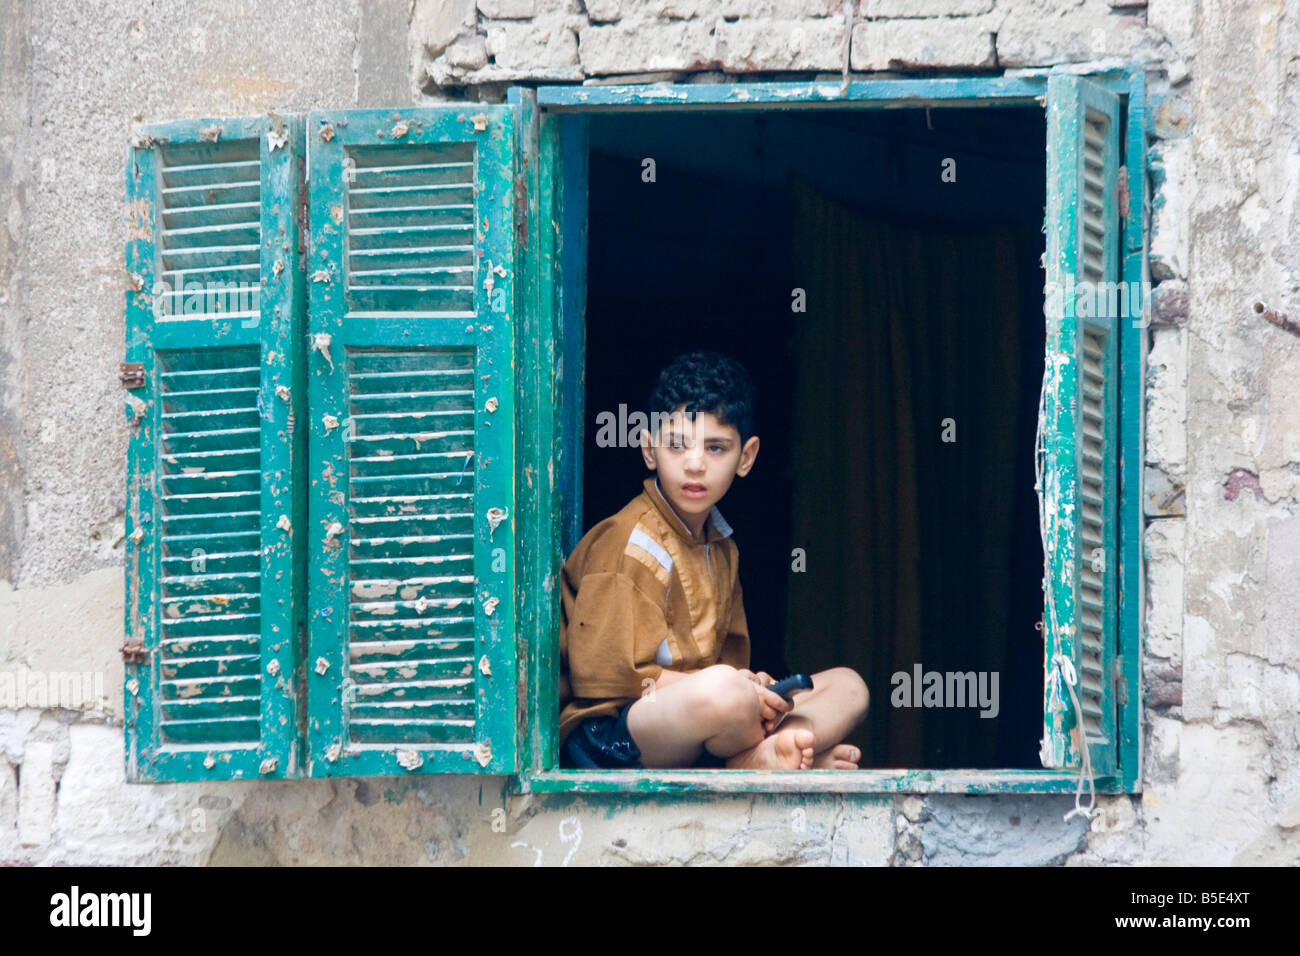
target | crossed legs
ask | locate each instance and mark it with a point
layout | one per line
(717, 709)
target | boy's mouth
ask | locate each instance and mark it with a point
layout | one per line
(694, 490)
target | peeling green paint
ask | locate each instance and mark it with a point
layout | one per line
(1080, 421)
(204, 597)
(404, 230)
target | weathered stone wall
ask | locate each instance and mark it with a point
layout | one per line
(465, 43)
(1221, 773)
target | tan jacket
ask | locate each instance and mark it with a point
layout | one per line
(641, 594)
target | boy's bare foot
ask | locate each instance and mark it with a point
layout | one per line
(785, 750)
(839, 757)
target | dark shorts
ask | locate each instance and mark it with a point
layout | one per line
(604, 743)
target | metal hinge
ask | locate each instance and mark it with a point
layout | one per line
(304, 224)
(134, 653)
(521, 211)
(132, 375)
(1121, 684)
(1121, 192)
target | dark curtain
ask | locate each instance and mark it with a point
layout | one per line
(907, 538)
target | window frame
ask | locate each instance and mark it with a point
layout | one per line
(551, 185)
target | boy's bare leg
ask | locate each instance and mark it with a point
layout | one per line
(715, 708)
(837, 703)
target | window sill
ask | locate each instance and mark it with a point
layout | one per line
(807, 781)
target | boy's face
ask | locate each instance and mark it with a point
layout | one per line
(697, 458)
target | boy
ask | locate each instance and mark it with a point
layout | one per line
(654, 646)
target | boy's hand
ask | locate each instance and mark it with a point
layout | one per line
(772, 707)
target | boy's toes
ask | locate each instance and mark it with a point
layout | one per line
(793, 749)
(839, 757)
(804, 740)
(785, 750)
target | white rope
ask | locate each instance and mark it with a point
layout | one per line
(1040, 465)
(1062, 667)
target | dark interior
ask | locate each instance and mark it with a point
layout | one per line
(948, 277)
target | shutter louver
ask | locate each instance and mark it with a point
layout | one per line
(411, 564)
(210, 469)
(210, 248)
(216, 309)
(412, 382)
(411, 231)
(1080, 425)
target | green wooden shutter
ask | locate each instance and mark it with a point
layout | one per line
(411, 377)
(214, 492)
(1079, 451)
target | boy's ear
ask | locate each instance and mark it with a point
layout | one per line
(747, 455)
(647, 450)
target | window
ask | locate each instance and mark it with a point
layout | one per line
(356, 344)
(1092, 435)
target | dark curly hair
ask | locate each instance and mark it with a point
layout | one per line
(706, 381)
